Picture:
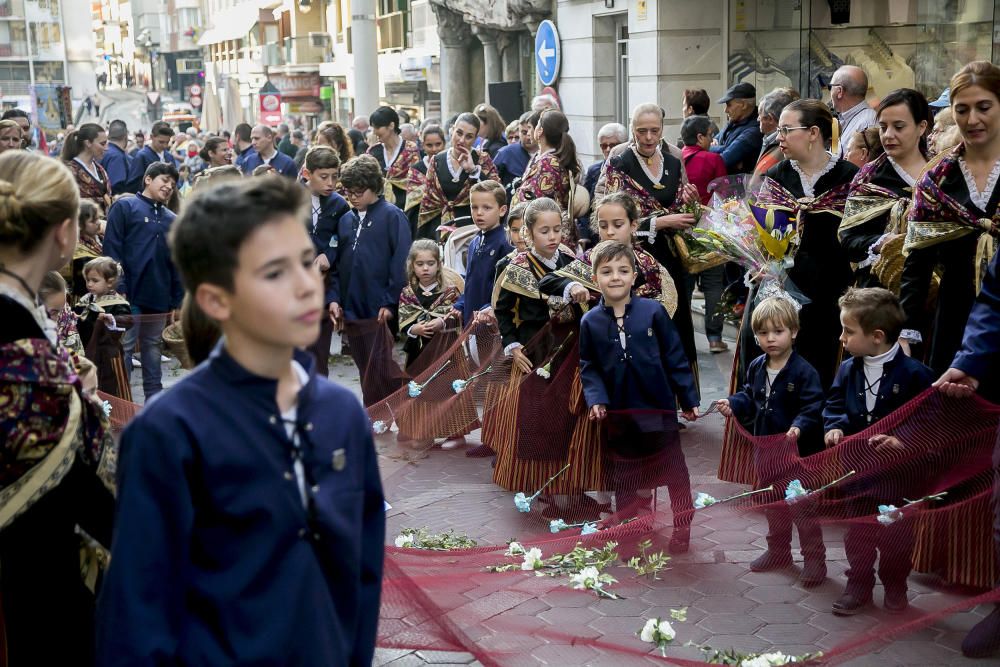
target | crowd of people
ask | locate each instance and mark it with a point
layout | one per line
(252, 485)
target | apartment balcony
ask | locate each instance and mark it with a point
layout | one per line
(311, 49)
(391, 32)
(14, 49)
(11, 8)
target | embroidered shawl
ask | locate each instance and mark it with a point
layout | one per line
(524, 271)
(868, 200)
(786, 210)
(936, 216)
(398, 173)
(543, 177)
(48, 423)
(656, 281)
(618, 180)
(90, 188)
(410, 310)
(416, 185)
(435, 203)
(88, 248)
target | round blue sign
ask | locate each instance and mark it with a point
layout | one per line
(548, 53)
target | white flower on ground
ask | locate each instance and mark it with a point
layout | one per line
(515, 549)
(557, 524)
(379, 427)
(666, 631)
(532, 559)
(648, 632)
(522, 503)
(589, 528)
(703, 500)
(768, 660)
(403, 541)
(585, 579)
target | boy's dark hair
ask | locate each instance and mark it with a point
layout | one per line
(242, 131)
(161, 169)
(206, 238)
(491, 187)
(605, 251)
(874, 308)
(694, 126)
(11, 114)
(362, 173)
(201, 332)
(161, 129)
(322, 157)
(698, 100)
(106, 267)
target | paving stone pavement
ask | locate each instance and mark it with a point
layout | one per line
(728, 606)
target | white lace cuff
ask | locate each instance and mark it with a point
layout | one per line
(911, 335)
(566, 291)
(509, 350)
(649, 234)
(476, 174)
(873, 254)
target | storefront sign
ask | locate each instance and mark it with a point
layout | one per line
(270, 108)
(294, 86)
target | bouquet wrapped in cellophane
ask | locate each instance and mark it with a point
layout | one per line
(762, 241)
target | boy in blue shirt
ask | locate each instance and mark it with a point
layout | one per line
(250, 521)
(877, 380)
(782, 394)
(488, 201)
(157, 150)
(632, 359)
(136, 237)
(321, 172)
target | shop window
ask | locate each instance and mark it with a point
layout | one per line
(899, 43)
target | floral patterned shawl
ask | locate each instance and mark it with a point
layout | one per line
(48, 423)
(416, 185)
(398, 173)
(937, 217)
(543, 177)
(411, 312)
(618, 180)
(90, 188)
(436, 204)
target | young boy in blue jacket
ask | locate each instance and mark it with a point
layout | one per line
(250, 520)
(632, 359)
(488, 202)
(877, 380)
(321, 173)
(782, 394)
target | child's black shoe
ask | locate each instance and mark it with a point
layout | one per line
(895, 601)
(813, 573)
(849, 605)
(771, 560)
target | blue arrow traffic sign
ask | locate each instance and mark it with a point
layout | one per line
(548, 53)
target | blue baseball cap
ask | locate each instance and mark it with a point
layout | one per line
(943, 101)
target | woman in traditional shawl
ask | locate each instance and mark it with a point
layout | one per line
(82, 152)
(450, 176)
(433, 141)
(554, 169)
(394, 155)
(954, 222)
(875, 215)
(654, 178)
(54, 440)
(808, 191)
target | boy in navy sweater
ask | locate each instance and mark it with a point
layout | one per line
(877, 380)
(632, 359)
(321, 172)
(136, 237)
(782, 394)
(250, 520)
(157, 150)
(488, 202)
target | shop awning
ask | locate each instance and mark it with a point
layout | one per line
(233, 23)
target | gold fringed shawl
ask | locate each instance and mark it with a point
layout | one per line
(410, 310)
(937, 217)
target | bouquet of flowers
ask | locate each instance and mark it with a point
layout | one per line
(761, 241)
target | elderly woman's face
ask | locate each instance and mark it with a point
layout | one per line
(607, 142)
(648, 131)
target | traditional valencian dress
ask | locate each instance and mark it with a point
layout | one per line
(420, 304)
(545, 414)
(57, 465)
(657, 194)
(821, 272)
(88, 248)
(544, 177)
(93, 185)
(446, 193)
(954, 227)
(877, 206)
(416, 185)
(103, 345)
(396, 169)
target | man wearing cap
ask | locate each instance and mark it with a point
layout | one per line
(848, 89)
(740, 141)
(943, 102)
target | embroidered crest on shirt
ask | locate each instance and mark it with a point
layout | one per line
(339, 459)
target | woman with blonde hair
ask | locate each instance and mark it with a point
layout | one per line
(56, 445)
(10, 135)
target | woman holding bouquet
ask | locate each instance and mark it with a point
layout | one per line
(656, 180)
(953, 224)
(879, 201)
